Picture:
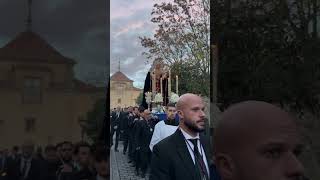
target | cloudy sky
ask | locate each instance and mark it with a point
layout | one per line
(76, 28)
(130, 19)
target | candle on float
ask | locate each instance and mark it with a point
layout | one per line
(161, 85)
(177, 80)
(169, 83)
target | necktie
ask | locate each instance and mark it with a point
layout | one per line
(201, 167)
(24, 168)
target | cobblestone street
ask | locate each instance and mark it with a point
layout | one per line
(120, 169)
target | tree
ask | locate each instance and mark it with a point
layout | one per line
(139, 99)
(267, 51)
(182, 37)
(190, 80)
(94, 120)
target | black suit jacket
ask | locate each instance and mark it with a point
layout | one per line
(124, 121)
(171, 159)
(115, 120)
(143, 134)
(36, 171)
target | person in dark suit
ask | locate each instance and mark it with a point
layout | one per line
(15, 156)
(115, 127)
(82, 154)
(102, 166)
(255, 140)
(27, 167)
(136, 130)
(3, 166)
(133, 118)
(184, 154)
(143, 137)
(51, 161)
(124, 128)
(66, 168)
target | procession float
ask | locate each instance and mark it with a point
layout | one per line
(157, 89)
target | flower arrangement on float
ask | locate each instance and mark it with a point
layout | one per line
(174, 98)
(158, 100)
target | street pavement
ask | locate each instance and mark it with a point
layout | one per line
(120, 169)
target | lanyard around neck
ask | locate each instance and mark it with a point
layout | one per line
(201, 148)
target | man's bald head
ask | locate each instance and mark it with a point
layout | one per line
(27, 148)
(185, 100)
(244, 133)
(246, 117)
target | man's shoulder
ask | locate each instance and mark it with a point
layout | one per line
(159, 124)
(167, 142)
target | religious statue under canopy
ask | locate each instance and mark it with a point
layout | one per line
(158, 81)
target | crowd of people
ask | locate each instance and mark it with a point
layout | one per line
(253, 140)
(63, 161)
(135, 126)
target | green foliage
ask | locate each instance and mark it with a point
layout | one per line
(267, 51)
(190, 79)
(94, 120)
(182, 41)
(139, 99)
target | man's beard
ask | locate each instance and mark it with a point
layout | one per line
(192, 126)
(171, 118)
(67, 159)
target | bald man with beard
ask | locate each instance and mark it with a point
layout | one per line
(257, 141)
(184, 154)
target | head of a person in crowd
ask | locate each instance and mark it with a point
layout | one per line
(82, 152)
(118, 109)
(66, 151)
(255, 140)
(147, 114)
(58, 147)
(141, 110)
(102, 165)
(50, 152)
(15, 150)
(27, 149)
(171, 111)
(130, 109)
(190, 108)
(6, 152)
(136, 110)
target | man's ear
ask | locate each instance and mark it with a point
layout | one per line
(180, 113)
(225, 166)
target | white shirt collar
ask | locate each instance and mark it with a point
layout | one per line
(187, 136)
